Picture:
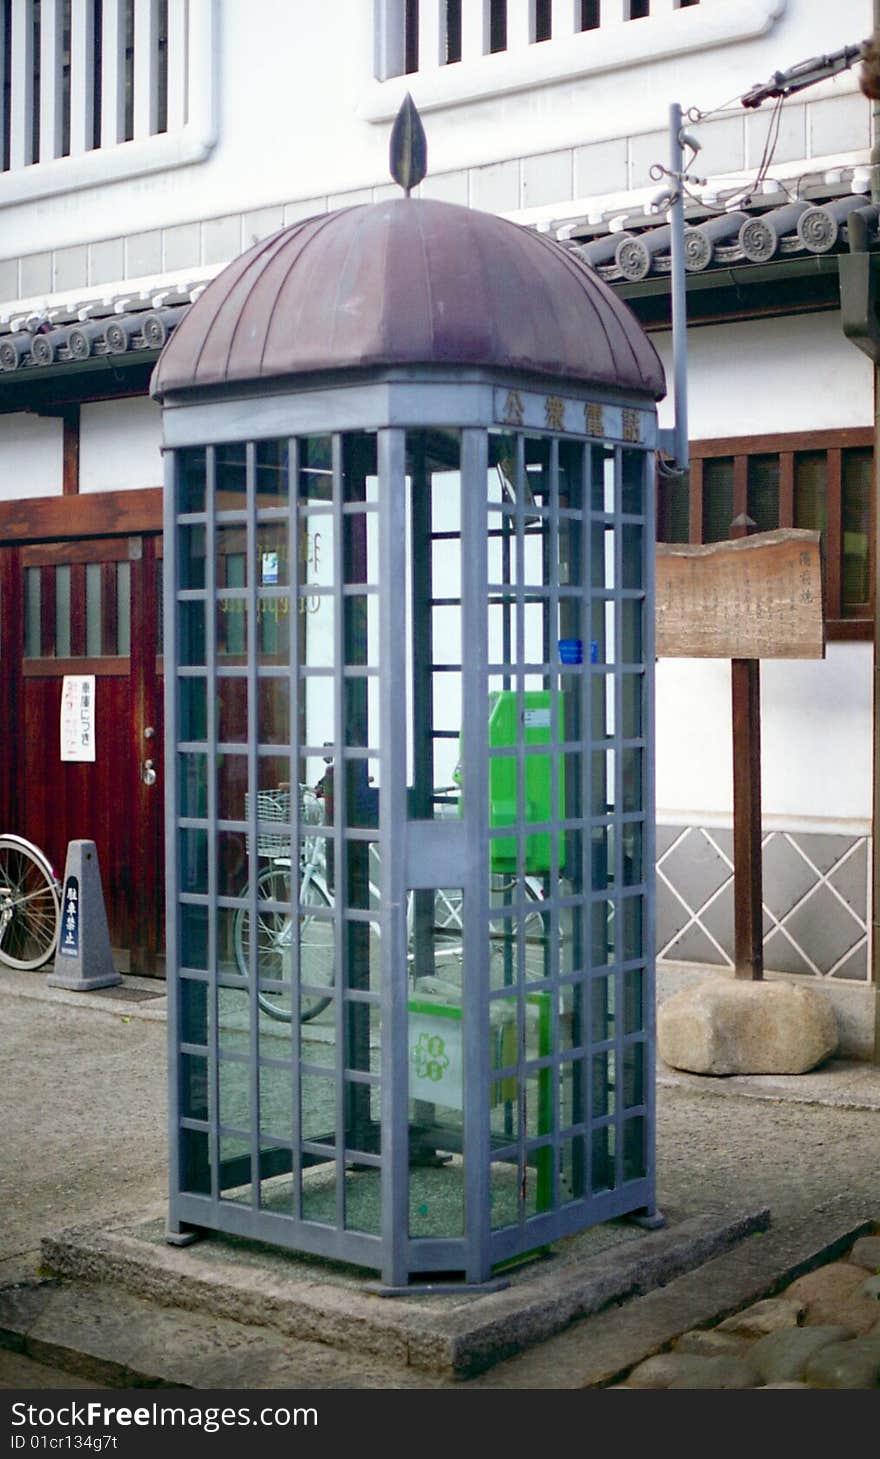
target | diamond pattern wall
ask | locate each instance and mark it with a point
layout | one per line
(816, 900)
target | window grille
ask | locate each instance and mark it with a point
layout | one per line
(422, 34)
(82, 75)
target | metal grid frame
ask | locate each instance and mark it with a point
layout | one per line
(199, 1190)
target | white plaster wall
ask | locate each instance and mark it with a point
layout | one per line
(766, 376)
(815, 741)
(293, 81)
(119, 445)
(30, 456)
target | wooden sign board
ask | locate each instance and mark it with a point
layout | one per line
(759, 597)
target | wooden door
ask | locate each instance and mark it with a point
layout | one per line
(91, 607)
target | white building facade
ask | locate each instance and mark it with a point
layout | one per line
(146, 143)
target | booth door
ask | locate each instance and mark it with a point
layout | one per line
(91, 608)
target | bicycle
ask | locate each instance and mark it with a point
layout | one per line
(30, 905)
(276, 927)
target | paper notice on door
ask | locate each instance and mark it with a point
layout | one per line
(78, 717)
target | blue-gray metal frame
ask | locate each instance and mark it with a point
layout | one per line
(466, 853)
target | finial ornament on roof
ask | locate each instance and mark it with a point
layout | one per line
(408, 149)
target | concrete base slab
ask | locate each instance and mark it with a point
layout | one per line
(448, 1335)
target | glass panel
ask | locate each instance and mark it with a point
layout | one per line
(232, 781)
(123, 609)
(273, 629)
(318, 1094)
(193, 708)
(193, 1087)
(191, 480)
(504, 1190)
(273, 557)
(272, 473)
(632, 853)
(603, 933)
(633, 1075)
(634, 1157)
(319, 1194)
(273, 710)
(763, 491)
(601, 478)
(232, 722)
(855, 583)
(632, 482)
(602, 1173)
(631, 574)
(232, 863)
(235, 1102)
(602, 1008)
(231, 627)
(32, 587)
(433, 630)
(193, 785)
(193, 1006)
(632, 912)
(275, 1102)
(62, 610)
(231, 472)
(810, 480)
(631, 630)
(717, 499)
(571, 1170)
(231, 554)
(193, 861)
(631, 706)
(191, 554)
(603, 1084)
(195, 1169)
(315, 468)
(235, 1170)
(631, 779)
(93, 610)
(192, 633)
(633, 1000)
(194, 937)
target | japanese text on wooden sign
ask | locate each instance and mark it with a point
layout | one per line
(756, 598)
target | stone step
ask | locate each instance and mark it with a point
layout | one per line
(104, 1335)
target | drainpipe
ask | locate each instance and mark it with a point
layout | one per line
(875, 811)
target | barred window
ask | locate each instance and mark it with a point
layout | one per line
(421, 34)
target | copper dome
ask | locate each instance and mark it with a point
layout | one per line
(407, 282)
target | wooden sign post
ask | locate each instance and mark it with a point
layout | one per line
(756, 596)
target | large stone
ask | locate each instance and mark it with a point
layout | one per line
(727, 1026)
(866, 1253)
(762, 1317)
(833, 1296)
(783, 1356)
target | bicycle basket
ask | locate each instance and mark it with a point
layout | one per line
(272, 806)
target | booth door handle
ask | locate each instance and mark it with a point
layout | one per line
(148, 773)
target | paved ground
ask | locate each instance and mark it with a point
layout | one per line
(84, 1140)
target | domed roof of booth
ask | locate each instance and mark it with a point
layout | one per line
(407, 281)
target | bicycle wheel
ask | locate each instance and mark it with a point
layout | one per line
(30, 913)
(275, 933)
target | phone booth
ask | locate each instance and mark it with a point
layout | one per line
(409, 544)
